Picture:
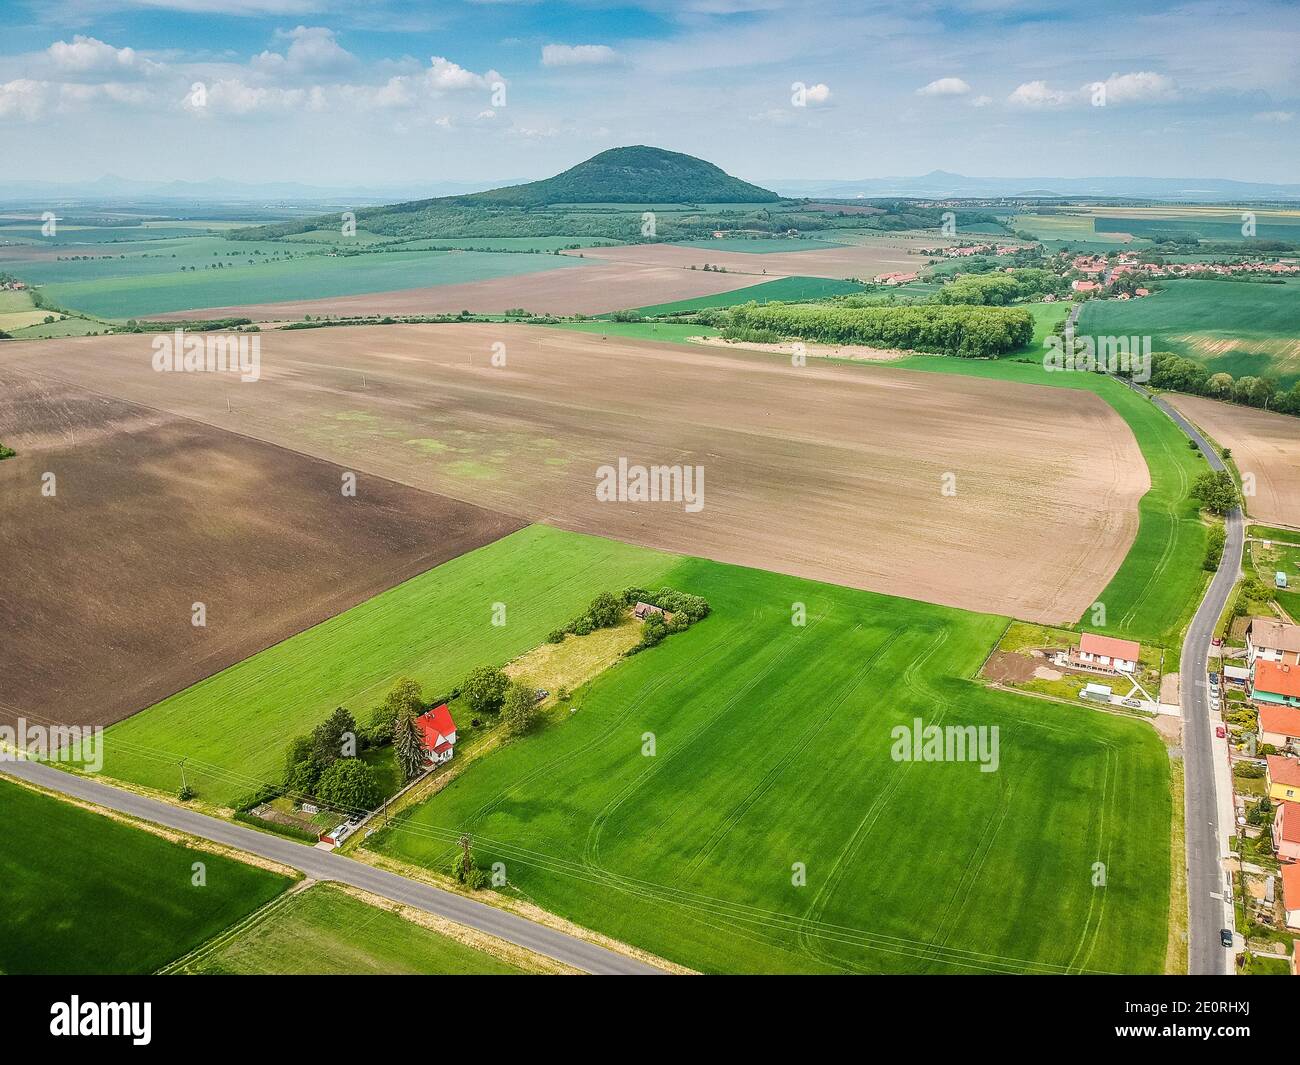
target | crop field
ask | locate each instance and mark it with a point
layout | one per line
(596, 288)
(783, 288)
(1237, 327)
(85, 894)
(803, 464)
(153, 513)
(1263, 444)
(300, 278)
(325, 931)
(838, 261)
(1154, 592)
(906, 866)
(435, 627)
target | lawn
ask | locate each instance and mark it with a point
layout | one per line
(305, 276)
(772, 758)
(782, 288)
(324, 931)
(234, 726)
(85, 894)
(1155, 591)
(1238, 327)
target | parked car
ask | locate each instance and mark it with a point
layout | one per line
(1217, 641)
(1221, 732)
(1225, 936)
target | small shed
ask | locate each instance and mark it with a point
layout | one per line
(1279, 579)
(643, 610)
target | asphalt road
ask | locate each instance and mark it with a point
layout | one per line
(324, 865)
(1209, 904)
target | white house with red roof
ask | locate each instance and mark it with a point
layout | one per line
(1106, 652)
(438, 731)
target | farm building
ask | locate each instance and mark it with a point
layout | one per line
(1283, 777)
(1273, 641)
(1085, 286)
(1279, 725)
(643, 610)
(438, 731)
(1286, 831)
(1291, 894)
(1105, 653)
(1276, 682)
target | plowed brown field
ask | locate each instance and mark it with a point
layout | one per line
(831, 472)
(153, 513)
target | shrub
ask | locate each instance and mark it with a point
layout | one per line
(519, 710)
(477, 879)
(349, 784)
(485, 689)
(605, 611)
(186, 793)
(1214, 548)
(556, 636)
(583, 626)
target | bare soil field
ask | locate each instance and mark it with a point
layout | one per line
(862, 261)
(595, 289)
(828, 471)
(822, 351)
(153, 513)
(1265, 444)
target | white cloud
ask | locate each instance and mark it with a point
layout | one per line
(312, 50)
(89, 55)
(1136, 87)
(944, 87)
(1143, 85)
(817, 94)
(1273, 116)
(22, 98)
(1036, 95)
(445, 76)
(577, 55)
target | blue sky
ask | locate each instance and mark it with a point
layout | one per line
(332, 93)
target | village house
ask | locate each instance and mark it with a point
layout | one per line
(1105, 653)
(896, 279)
(643, 610)
(1279, 726)
(1275, 683)
(1291, 894)
(1085, 286)
(1286, 831)
(438, 732)
(1273, 641)
(1283, 778)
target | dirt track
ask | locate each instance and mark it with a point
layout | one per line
(828, 471)
(153, 513)
(1265, 444)
(593, 289)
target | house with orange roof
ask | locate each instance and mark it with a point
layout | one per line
(1291, 894)
(1106, 653)
(1279, 726)
(1275, 683)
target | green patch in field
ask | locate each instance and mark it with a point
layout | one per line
(769, 826)
(84, 894)
(786, 289)
(434, 628)
(326, 931)
(665, 331)
(428, 445)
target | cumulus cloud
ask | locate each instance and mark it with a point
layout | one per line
(22, 98)
(1137, 87)
(445, 76)
(944, 87)
(312, 50)
(578, 55)
(89, 55)
(817, 94)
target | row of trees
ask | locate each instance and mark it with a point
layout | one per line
(960, 330)
(1178, 374)
(1000, 289)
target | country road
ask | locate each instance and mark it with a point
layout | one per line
(324, 865)
(1209, 905)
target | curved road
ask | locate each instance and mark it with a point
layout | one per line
(324, 865)
(1209, 906)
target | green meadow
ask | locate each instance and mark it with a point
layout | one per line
(84, 894)
(732, 800)
(1241, 328)
(783, 288)
(234, 726)
(324, 931)
(304, 276)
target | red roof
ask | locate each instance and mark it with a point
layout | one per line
(1283, 770)
(1279, 720)
(1128, 650)
(1287, 824)
(437, 728)
(1277, 678)
(1291, 886)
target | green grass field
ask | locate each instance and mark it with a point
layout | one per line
(323, 931)
(305, 276)
(783, 288)
(234, 726)
(773, 752)
(1241, 328)
(84, 894)
(758, 245)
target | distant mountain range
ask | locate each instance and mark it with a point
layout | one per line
(940, 184)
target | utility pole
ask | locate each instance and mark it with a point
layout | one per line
(181, 763)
